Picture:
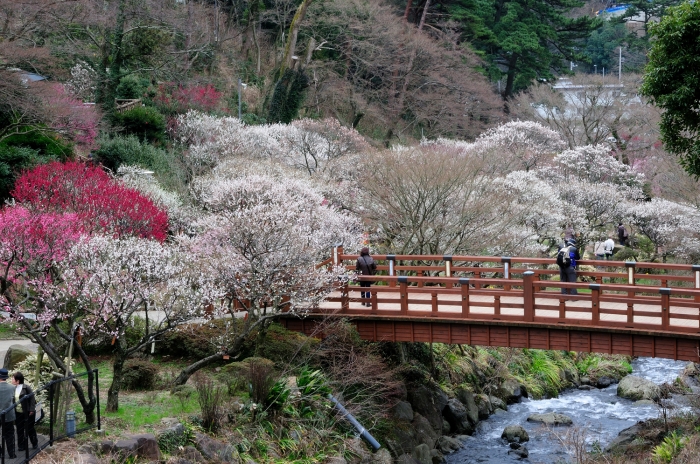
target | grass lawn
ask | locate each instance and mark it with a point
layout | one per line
(139, 409)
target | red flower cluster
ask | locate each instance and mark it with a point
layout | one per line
(178, 99)
(100, 203)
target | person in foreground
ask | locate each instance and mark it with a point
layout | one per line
(25, 406)
(7, 394)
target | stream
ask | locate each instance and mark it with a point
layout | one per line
(599, 414)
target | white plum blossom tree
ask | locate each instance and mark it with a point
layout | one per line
(671, 227)
(261, 244)
(105, 283)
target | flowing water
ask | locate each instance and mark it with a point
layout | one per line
(599, 415)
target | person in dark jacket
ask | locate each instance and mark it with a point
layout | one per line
(365, 266)
(568, 273)
(25, 407)
(7, 393)
(622, 234)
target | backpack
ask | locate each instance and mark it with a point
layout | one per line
(564, 257)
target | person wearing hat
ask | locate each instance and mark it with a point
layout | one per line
(25, 406)
(7, 395)
(567, 270)
(365, 266)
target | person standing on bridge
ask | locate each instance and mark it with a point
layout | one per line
(367, 267)
(566, 259)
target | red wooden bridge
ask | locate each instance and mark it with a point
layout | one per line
(635, 308)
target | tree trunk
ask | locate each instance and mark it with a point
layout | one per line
(511, 76)
(188, 371)
(113, 392)
(290, 49)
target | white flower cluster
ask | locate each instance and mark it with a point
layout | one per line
(83, 81)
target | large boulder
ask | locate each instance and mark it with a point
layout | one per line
(483, 405)
(402, 411)
(515, 434)
(428, 402)
(422, 454)
(18, 353)
(382, 456)
(624, 439)
(467, 399)
(497, 403)
(448, 445)
(214, 450)
(550, 418)
(456, 414)
(511, 391)
(424, 432)
(637, 388)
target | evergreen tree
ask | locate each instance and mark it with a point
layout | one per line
(672, 80)
(523, 40)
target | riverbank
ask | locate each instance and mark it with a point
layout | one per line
(419, 401)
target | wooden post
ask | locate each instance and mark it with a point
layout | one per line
(464, 283)
(696, 271)
(434, 304)
(337, 251)
(392, 264)
(403, 285)
(448, 269)
(595, 305)
(506, 270)
(344, 298)
(529, 296)
(373, 296)
(665, 307)
(630, 295)
(496, 306)
(420, 282)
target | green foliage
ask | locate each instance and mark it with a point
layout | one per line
(210, 401)
(288, 96)
(278, 395)
(672, 81)
(312, 382)
(603, 44)
(14, 160)
(169, 440)
(132, 87)
(193, 341)
(144, 122)
(114, 152)
(668, 449)
(139, 374)
(529, 39)
(279, 344)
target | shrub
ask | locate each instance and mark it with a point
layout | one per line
(132, 87)
(192, 341)
(12, 161)
(279, 344)
(170, 440)
(147, 123)
(668, 449)
(139, 374)
(129, 150)
(210, 401)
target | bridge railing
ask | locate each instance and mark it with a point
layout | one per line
(506, 267)
(520, 294)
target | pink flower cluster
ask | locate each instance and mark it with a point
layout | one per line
(100, 203)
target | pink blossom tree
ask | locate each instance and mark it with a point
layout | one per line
(101, 203)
